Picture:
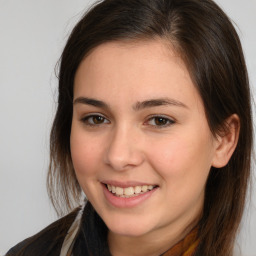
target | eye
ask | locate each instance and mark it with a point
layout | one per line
(160, 121)
(94, 120)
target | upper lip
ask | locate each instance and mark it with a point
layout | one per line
(126, 184)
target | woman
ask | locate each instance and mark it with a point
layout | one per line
(154, 126)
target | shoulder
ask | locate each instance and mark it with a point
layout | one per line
(46, 242)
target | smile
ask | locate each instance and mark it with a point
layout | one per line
(127, 194)
(129, 191)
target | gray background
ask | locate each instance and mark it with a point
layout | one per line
(32, 35)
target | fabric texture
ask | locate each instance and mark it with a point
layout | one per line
(185, 247)
(83, 233)
(47, 242)
(70, 238)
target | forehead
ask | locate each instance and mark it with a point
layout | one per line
(130, 50)
(140, 69)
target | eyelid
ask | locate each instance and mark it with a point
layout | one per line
(85, 118)
(170, 120)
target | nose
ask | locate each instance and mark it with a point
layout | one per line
(123, 151)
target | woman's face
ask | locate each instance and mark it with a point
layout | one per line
(139, 128)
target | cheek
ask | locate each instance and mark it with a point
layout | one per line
(86, 157)
(84, 152)
(183, 167)
(183, 159)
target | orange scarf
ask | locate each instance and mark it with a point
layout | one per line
(186, 247)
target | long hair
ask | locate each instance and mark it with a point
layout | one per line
(208, 43)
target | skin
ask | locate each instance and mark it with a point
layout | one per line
(130, 142)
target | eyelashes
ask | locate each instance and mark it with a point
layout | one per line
(155, 121)
(95, 120)
(159, 121)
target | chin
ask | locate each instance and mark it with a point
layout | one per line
(128, 231)
(126, 227)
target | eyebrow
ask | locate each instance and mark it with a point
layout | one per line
(158, 102)
(92, 102)
(137, 106)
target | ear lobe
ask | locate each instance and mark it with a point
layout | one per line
(226, 142)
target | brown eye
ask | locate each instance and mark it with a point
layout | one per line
(94, 120)
(98, 119)
(160, 121)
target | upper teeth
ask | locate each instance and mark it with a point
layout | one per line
(129, 191)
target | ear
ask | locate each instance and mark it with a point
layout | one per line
(226, 142)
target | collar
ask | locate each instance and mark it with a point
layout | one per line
(186, 247)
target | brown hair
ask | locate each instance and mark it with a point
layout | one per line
(209, 45)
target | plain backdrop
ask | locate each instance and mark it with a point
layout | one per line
(32, 36)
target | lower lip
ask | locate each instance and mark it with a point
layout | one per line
(122, 202)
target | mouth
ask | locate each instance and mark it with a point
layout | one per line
(128, 192)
